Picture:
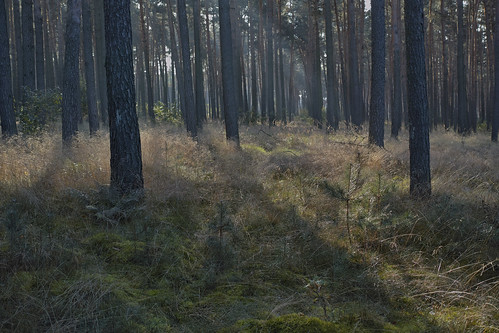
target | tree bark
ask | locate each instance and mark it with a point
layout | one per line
(126, 157)
(71, 75)
(377, 112)
(28, 45)
(40, 61)
(355, 94)
(147, 64)
(7, 116)
(229, 97)
(100, 56)
(462, 112)
(332, 115)
(419, 141)
(200, 101)
(93, 117)
(190, 111)
(495, 117)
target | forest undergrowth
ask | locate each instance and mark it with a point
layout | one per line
(296, 231)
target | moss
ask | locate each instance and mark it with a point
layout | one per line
(114, 249)
(292, 323)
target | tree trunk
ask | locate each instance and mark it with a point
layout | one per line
(397, 85)
(147, 64)
(93, 117)
(7, 116)
(40, 62)
(200, 102)
(190, 111)
(126, 157)
(229, 97)
(100, 56)
(419, 141)
(71, 109)
(495, 117)
(332, 98)
(377, 111)
(462, 113)
(445, 76)
(270, 63)
(355, 94)
(28, 45)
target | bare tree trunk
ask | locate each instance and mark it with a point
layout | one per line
(71, 109)
(93, 117)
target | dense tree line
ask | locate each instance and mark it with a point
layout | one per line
(264, 61)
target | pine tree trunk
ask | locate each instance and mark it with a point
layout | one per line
(495, 117)
(71, 108)
(147, 64)
(7, 116)
(332, 98)
(229, 97)
(93, 117)
(40, 62)
(377, 110)
(126, 157)
(462, 106)
(28, 45)
(419, 142)
(100, 56)
(200, 101)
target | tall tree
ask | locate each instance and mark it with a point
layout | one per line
(93, 117)
(332, 99)
(270, 63)
(396, 115)
(200, 102)
(419, 141)
(462, 114)
(147, 64)
(19, 51)
(126, 156)
(445, 75)
(377, 110)
(7, 116)
(40, 61)
(495, 117)
(28, 45)
(355, 91)
(190, 112)
(229, 97)
(71, 75)
(100, 56)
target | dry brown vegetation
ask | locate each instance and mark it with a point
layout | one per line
(240, 239)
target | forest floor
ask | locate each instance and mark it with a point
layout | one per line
(298, 231)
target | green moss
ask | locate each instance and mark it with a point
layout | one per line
(292, 323)
(114, 249)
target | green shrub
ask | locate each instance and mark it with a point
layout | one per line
(39, 108)
(169, 114)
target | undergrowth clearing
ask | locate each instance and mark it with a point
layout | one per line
(297, 231)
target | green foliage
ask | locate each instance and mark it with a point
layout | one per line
(291, 323)
(39, 109)
(169, 114)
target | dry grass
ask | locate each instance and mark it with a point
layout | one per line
(72, 257)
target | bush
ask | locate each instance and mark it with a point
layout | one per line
(169, 114)
(38, 109)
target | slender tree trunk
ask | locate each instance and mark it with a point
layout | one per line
(28, 45)
(254, 78)
(147, 63)
(230, 104)
(462, 114)
(495, 117)
(7, 116)
(190, 111)
(49, 61)
(355, 95)
(270, 62)
(332, 99)
(93, 117)
(397, 85)
(71, 75)
(419, 141)
(40, 61)
(445, 76)
(377, 112)
(211, 66)
(100, 56)
(200, 101)
(263, 72)
(19, 50)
